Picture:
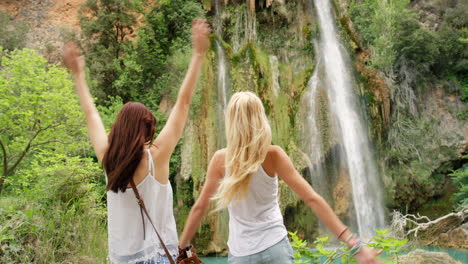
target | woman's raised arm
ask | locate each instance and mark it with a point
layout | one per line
(172, 131)
(214, 175)
(76, 64)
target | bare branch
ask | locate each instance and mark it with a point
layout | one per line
(400, 221)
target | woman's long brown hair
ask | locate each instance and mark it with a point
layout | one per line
(134, 126)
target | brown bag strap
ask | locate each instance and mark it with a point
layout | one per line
(143, 209)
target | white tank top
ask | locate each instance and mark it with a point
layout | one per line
(125, 228)
(256, 223)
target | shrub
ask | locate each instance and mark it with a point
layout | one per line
(55, 212)
(460, 178)
(12, 33)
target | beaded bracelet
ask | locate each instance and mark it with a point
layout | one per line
(356, 249)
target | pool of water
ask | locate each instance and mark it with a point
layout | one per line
(457, 254)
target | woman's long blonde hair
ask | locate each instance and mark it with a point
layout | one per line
(248, 136)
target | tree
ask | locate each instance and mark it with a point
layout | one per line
(38, 109)
(12, 33)
(162, 42)
(108, 27)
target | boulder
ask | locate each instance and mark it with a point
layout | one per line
(455, 238)
(420, 256)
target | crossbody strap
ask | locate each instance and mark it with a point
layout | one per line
(143, 209)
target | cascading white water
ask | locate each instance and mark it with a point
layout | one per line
(222, 80)
(316, 155)
(366, 189)
(222, 226)
(315, 144)
(222, 77)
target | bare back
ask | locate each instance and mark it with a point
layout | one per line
(161, 167)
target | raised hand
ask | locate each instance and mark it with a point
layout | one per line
(368, 256)
(72, 59)
(200, 40)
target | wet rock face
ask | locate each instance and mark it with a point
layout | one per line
(420, 256)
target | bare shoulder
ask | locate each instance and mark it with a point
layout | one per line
(271, 160)
(157, 158)
(274, 153)
(219, 157)
(154, 151)
(216, 168)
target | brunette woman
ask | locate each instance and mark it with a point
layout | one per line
(244, 178)
(129, 152)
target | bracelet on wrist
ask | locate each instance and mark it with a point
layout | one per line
(342, 232)
(349, 237)
(356, 248)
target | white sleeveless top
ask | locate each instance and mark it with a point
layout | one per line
(256, 223)
(125, 228)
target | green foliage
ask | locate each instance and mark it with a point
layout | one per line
(109, 113)
(398, 41)
(464, 90)
(460, 178)
(163, 43)
(412, 55)
(54, 212)
(415, 150)
(453, 38)
(303, 254)
(388, 244)
(38, 109)
(107, 27)
(12, 33)
(148, 68)
(52, 197)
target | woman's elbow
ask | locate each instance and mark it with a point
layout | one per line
(200, 208)
(313, 200)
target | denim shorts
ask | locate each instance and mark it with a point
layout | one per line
(279, 253)
(159, 259)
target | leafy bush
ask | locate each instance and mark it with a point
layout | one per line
(38, 110)
(54, 213)
(396, 37)
(12, 33)
(144, 69)
(162, 45)
(460, 178)
(323, 252)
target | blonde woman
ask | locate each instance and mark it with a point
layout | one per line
(244, 178)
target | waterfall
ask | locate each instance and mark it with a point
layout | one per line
(346, 118)
(222, 226)
(315, 149)
(222, 80)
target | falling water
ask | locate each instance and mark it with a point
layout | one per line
(315, 150)
(222, 80)
(222, 229)
(315, 145)
(358, 159)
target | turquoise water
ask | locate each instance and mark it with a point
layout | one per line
(457, 254)
(215, 260)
